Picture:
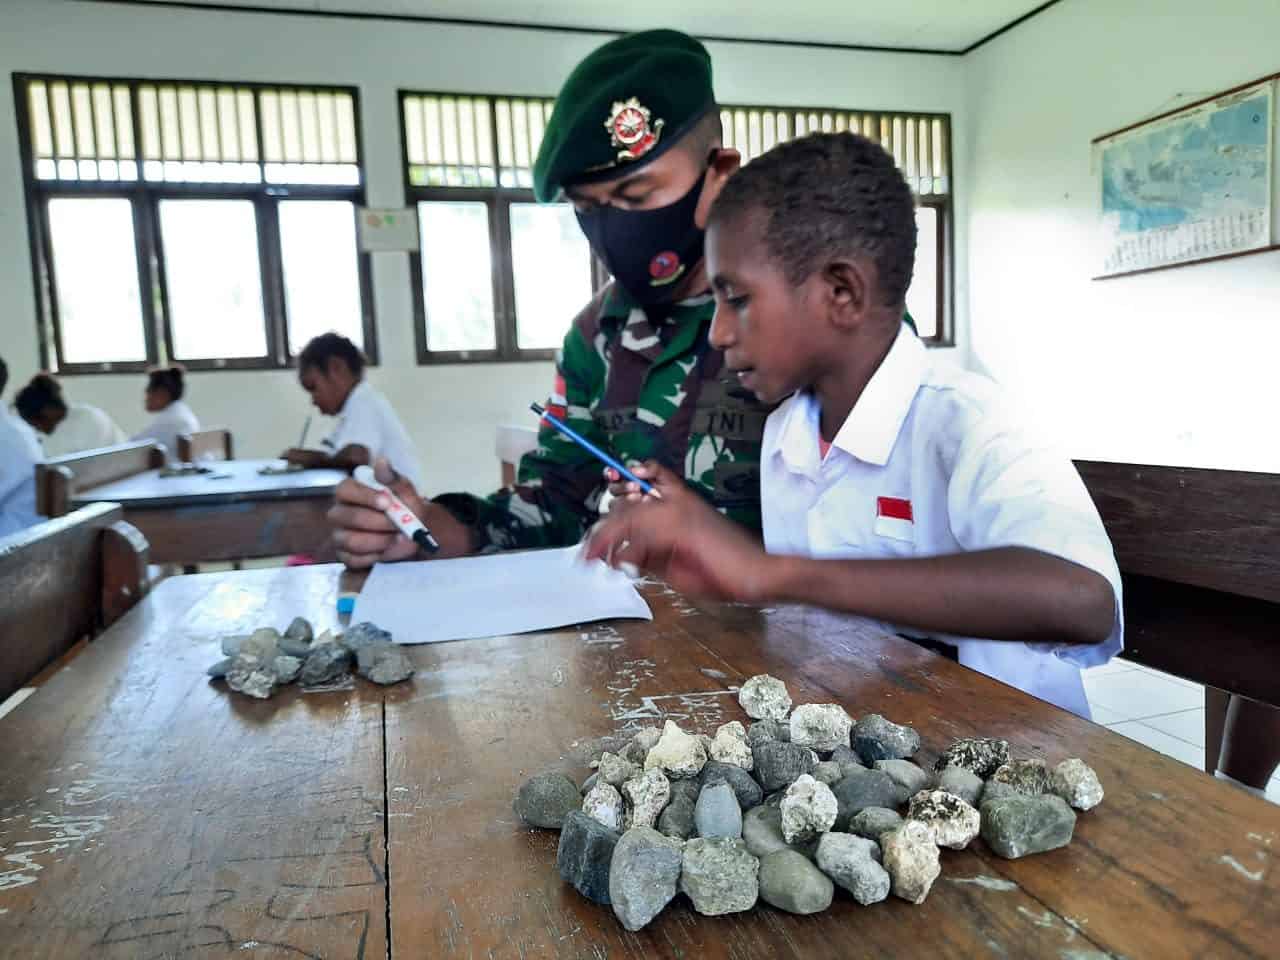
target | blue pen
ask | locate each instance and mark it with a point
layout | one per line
(591, 448)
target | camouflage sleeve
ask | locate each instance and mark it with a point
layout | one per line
(558, 486)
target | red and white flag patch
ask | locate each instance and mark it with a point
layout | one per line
(557, 405)
(894, 518)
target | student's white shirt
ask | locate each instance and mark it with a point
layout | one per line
(175, 419)
(367, 419)
(19, 454)
(85, 427)
(943, 441)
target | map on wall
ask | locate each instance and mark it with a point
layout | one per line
(1191, 185)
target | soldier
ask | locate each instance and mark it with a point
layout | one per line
(635, 144)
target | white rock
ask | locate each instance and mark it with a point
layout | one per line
(765, 698)
(808, 809)
(676, 753)
(646, 795)
(603, 803)
(615, 770)
(911, 859)
(730, 746)
(821, 726)
(1075, 782)
(952, 822)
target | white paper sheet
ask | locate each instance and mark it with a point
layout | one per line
(437, 600)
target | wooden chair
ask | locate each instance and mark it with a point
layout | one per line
(63, 580)
(212, 444)
(1199, 553)
(60, 479)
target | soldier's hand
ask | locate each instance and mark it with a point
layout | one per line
(362, 533)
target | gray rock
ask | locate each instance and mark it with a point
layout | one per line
(954, 823)
(676, 819)
(590, 782)
(777, 764)
(789, 881)
(965, 784)
(1029, 777)
(847, 759)
(828, 772)
(862, 789)
(646, 795)
(286, 668)
(808, 809)
(1075, 782)
(263, 643)
(1018, 826)
(546, 799)
(853, 863)
(730, 746)
(231, 644)
(977, 755)
(875, 738)
(763, 730)
(904, 773)
(585, 855)
(717, 813)
(251, 676)
(687, 789)
(820, 726)
(873, 822)
(363, 634)
(383, 663)
(744, 785)
(911, 860)
(762, 832)
(296, 639)
(996, 790)
(643, 875)
(325, 663)
(220, 668)
(720, 876)
(615, 770)
(294, 648)
(765, 698)
(640, 744)
(604, 805)
(677, 754)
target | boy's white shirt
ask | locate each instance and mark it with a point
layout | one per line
(19, 454)
(943, 440)
(85, 427)
(368, 420)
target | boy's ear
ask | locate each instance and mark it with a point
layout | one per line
(848, 292)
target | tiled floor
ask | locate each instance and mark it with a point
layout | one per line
(1166, 713)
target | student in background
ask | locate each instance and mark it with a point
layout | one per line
(67, 427)
(19, 454)
(331, 370)
(892, 487)
(163, 397)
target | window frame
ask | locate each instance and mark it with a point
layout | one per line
(145, 197)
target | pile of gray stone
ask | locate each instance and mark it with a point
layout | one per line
(257, 663)
(786, 810)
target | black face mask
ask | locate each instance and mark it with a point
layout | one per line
(647, 251)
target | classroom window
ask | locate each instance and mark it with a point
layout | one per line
(212, 223)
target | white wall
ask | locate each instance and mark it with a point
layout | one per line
(1177, 366)
(452, 412)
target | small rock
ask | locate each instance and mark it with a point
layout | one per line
(777, 764)
(590, 782)
(545, 799)
(790, 881)
(1075, 782)
(904, 773)
(383, 663)
(687, 789)
(676, 819)
(730, 746)
(720, 876)
(965, 784)
(954, 823)
(862, 789)
(762, 832)
(744, 785)
(997, 790)
(763, 730)
(615, 770)
(263, 644)
(765, 698)
(300, 629)
(853, 863)
(646, 738)
(828, 772)
(977, 755)
(1017, 826)
(325, 663)
(231, 645)
(1028, 777)
(286, 668)
(705, 741)
(875, 738)
(604, 805)
(678, 754)
(643, 874)
(250, 676)
(808, 809)
(873, 822)
(363, 634)
(911, 860)
(646, 795)
(585, 855)
(820, 726)
(220, 668)
(717, 813)
(847, 759)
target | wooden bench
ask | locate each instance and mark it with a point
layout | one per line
(214, 444)
(63, 580)
(1199, 553)
(58, 480)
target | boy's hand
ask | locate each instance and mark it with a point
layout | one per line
(666, 483)
(362, 533)
(686, 543)
(304, 458)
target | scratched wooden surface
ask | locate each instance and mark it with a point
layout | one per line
(238, 824)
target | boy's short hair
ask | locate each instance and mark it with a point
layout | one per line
(4, 374)
(828, 194)
(43, 391)
(171, 378)
(325, 347)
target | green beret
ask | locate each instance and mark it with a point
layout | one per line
(622, 107)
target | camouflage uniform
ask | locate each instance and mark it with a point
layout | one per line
(641, 390)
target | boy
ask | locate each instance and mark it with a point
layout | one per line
(67, 427)
(331, 370)
(891, 487)
(19, 454)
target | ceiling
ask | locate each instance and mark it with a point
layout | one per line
(943, 26)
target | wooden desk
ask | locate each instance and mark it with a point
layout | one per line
(230, 514)
(147, 812)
